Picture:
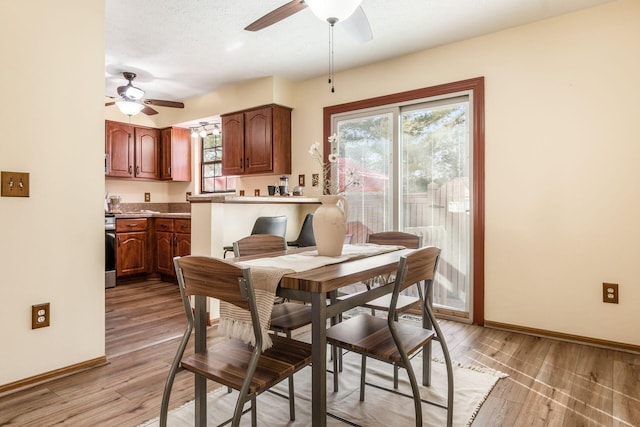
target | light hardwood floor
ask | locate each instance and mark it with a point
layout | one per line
(550, 383)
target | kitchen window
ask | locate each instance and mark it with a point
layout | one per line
(212, 179)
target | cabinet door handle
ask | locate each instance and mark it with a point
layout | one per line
(246, 162)
(118, 241)
(130, 169)
(137, 170)
(241, 162)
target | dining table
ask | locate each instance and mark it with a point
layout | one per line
(320, 285)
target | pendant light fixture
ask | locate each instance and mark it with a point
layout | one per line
(129, 107)
(332, 11)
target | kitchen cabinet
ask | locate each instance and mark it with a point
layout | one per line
(131, 151)
(131, 247)
(257, 141)
(173, 238)
(175, 156)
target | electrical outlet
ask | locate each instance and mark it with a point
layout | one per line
(610, 293)
(315, 180)
(188, 194)
(147, 197)
(40, 315)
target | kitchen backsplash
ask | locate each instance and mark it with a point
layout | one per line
(156, 207)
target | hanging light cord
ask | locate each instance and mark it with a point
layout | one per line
(332, 22)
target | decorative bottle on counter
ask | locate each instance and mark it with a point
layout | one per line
(330, 225)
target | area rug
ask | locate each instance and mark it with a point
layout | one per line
(381, 407)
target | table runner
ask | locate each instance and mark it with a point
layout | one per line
(266, 274)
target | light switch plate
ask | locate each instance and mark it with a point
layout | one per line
(14, 184)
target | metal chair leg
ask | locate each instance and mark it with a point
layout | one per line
(334, 355)
(363, 372)
(254, 412)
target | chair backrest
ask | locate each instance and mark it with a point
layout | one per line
(211, 277)
(408, 240)
(257, 244)
(415, 267)
(306, 236)
(276, 225)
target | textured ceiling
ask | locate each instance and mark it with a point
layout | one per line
(182, 49)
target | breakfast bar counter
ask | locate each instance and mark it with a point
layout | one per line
(218, 220)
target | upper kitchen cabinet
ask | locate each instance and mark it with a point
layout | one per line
(175, 154)
(131, 151)
(257, 141)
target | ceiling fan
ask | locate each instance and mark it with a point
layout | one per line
(130, 99)
(348, 12)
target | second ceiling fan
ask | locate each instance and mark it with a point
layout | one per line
(348, 12)
(131, 99)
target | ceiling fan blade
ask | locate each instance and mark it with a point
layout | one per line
(161, 103)
(149, 111)
(277, 15)
(357, 26)
(106, 104)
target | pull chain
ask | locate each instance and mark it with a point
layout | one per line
(331, 61)
(331, 22)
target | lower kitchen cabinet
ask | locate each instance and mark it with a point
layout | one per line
(173, 238)
(131, 247)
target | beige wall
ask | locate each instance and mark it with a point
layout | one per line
(562, 148)
(562, 155)
(51, 244)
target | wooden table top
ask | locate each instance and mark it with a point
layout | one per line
(335, 276)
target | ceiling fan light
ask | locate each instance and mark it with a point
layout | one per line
(333, 10)
(194, 133)
(216, 129)
(133, 92)
(203, 132)
(130, 108)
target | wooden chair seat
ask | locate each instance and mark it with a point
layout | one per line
(371, 335)
(227, 362)
(405, 303)
(289, 316)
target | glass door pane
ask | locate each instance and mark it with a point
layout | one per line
(364, 148)
(435, 191)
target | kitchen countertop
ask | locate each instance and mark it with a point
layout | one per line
(152, 214)
(226, 198)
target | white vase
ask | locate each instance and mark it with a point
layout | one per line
(330, 225)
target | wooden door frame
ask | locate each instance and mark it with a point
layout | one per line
(476, 86)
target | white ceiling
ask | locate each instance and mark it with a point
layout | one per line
(182, 49)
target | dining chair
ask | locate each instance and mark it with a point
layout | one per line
(392, 341)
(259, 244)
(306, 237)
(285, 316)
(405, 302)
(229, 361)
(276, 225)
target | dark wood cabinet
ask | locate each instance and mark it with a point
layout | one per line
(175, 155)
(131, 247)
(257, 141)
(119, 154)
(147, 149)
(173, 238)
(131, 151)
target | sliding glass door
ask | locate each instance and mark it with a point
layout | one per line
(413, 167)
